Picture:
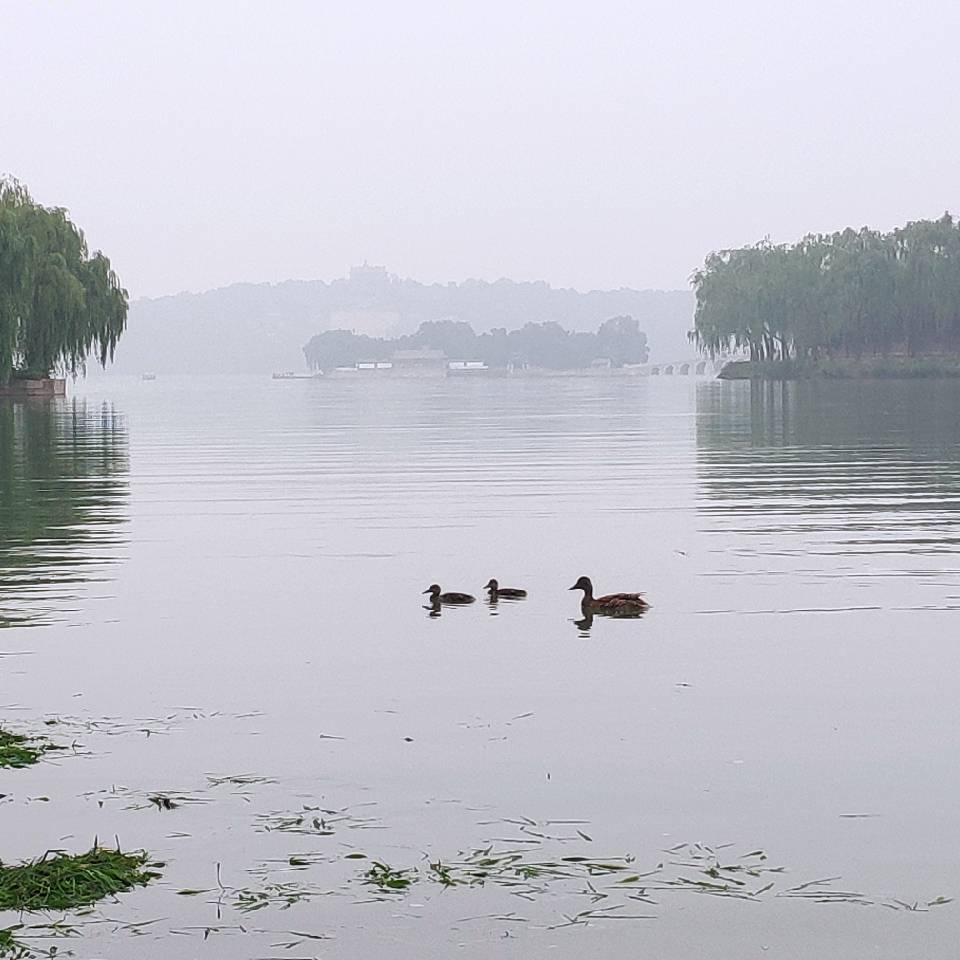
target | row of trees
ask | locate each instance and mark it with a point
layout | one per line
(846, 294)
(548, 345)
(58, 303)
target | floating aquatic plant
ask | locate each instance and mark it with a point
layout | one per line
(10, 947)
(389, 879)
(691, 868)
(62, 881)
(17, 750)
(316, 821)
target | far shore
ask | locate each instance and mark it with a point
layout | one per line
(684, 369)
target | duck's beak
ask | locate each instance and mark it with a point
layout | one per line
(428, 591)
(574, 587)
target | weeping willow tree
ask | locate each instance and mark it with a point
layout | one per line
(848, 294)
(59, 304)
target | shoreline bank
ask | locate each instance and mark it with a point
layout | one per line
(881, 368)
(48, 387)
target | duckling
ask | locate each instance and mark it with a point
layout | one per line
(611, 605)
(437, 597)
(507, 593)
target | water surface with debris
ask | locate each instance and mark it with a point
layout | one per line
(210, 590)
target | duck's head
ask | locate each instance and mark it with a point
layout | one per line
(492, 585)
(433, 589)
(583, 584)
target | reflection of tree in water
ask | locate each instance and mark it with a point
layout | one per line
(895, 416)
(882, 455)
(63, 495)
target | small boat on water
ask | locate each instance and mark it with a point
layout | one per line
(148, 376)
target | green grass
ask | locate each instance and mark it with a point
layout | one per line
(60, 881)
(18, 751)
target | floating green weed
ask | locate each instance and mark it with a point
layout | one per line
(284, 895)
(687, 868)
(316, 821)
(138, 800)
(10, 947)
(239, 780)
(17, 750)
(389, 879)
(443, 874)
(13, 947)
(61, 881)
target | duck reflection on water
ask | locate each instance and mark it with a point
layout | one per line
(584, 624)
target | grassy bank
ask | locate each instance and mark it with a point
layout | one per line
(885, 368)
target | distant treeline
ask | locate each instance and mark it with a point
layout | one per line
(847, 294)
(257, 328)
(548, 345)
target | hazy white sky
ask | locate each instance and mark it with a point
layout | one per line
(589, 144)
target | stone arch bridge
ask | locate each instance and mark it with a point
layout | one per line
(696, 367)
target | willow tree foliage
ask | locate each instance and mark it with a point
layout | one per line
(58, 302)
(851, 293)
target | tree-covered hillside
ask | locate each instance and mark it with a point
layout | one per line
(257, 328)
(854, 293)
(619, 340)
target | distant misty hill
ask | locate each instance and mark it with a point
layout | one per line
(259, 328)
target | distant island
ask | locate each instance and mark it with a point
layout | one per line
(847, 304)
(443, 346)
(261, 328)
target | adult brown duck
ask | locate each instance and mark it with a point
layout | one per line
(450, 598)
(611, 605)
(503, 593)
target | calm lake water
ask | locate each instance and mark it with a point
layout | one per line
(214, 587)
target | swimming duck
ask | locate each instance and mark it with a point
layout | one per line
(509, 593)
(611, 605)
(437, 597)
